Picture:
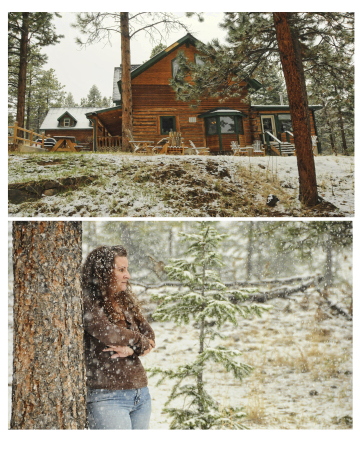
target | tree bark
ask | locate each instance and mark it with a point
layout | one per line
(290, 54)
(20, 113)
(126, 94)
(48, 390)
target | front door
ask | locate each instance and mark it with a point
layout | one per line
(268, 124)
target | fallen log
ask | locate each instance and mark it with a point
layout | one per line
(264, 282)
(262, 297)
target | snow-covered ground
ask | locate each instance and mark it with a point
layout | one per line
(173, 186)
(302, 354)
(303, 366)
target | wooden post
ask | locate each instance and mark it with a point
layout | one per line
(43, 139)
(31, 136)
(95, 134)
(15, 132)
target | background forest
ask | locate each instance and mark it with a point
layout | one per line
(300, 349)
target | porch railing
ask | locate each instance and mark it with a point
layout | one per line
(267, 136)
(28, 140)
(109, 141)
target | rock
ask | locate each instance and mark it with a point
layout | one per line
(313, 392)
(261, 166)
(50, 192)
(333, 387)
(272, 200)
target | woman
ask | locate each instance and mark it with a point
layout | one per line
(116, 334)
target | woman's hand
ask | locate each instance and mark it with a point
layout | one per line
(152, 343)
(120, 351)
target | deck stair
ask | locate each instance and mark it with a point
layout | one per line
(287, 149)
(278, 147)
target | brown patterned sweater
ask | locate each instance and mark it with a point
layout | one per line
(105, 326)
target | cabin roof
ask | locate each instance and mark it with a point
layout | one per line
(117, 77)
(137, 69)
(53, 116)
(280, 107)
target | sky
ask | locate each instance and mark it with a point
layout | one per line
(79, 69)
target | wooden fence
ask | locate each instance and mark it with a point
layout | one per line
(15, 138)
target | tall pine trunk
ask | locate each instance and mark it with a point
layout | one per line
(20, 113)
(126, 95)
(343, 137)
(291, 61)
(48, 390)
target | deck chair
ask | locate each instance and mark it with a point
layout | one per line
(259, 149)
(197, 150)
(237, 150)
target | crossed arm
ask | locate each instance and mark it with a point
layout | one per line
(117, 338)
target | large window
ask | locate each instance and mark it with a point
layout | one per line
(174, 67)
(285, 122)
(167, 124)
(210, 126)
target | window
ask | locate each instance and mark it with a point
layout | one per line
(67, 122)
(167, 124)
(227, 125)
(174, 67)
(198, 60)
(285, 122)
(210, 126)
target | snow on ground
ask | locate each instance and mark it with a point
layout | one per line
(303, 366)
(123, 188)
(335, 177)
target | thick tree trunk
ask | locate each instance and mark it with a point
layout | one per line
(126, 95)
(20, 113)
(291, 61)
(48, 390)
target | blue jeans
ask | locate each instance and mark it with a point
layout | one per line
(128, 409)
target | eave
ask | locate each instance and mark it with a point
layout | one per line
(281, 107)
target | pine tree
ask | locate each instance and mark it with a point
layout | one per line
(207, 301)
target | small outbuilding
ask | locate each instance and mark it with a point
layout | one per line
(69, 122)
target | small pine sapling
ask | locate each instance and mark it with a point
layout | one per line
(210, 304)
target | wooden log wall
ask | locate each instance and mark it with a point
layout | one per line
(255, 124)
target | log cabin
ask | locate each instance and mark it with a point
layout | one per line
(212, 124)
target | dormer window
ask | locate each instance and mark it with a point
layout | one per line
(66, 122)
(199, 61)
(175, 66)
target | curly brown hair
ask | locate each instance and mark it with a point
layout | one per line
(96, 276)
